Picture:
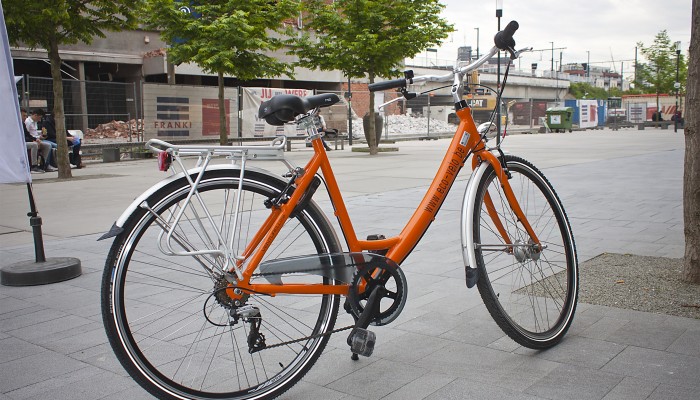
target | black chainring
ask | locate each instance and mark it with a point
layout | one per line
(391, 278)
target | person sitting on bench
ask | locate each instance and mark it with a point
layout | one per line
(34, 145)
(48, 126)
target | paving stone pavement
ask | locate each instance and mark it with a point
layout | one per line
(621, 190)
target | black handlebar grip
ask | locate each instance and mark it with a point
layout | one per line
(386, 85)
(504, 39)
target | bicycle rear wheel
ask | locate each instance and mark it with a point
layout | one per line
(530, 294)
(167, 317)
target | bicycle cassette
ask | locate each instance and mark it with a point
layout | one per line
(386, 274)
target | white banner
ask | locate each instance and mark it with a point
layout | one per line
(256, 127)
(187, 112)
(13, 152)
(588, 113)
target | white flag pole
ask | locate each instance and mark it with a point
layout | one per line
(14, 168)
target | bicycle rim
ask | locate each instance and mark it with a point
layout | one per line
(169, 328)
(530, 294)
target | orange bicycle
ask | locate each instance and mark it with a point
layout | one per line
(225, 281)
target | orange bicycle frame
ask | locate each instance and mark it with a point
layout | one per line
(465, 141)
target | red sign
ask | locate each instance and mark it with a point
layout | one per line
(210, 117)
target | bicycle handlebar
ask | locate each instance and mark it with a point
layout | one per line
(386, 85)
(503, 41)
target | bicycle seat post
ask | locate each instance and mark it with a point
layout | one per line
(308, 122)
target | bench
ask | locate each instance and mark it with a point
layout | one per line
(335, 140)
(111, 152)
(654, 124)
(74, 133)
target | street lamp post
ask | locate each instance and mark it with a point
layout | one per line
(677, 85)
(477, 43)
(588, 70)
(552, 56)
(499, 14)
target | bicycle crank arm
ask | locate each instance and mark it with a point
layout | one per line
(361, 340)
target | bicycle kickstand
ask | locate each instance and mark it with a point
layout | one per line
(361, 340)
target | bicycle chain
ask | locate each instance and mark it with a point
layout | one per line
(263, 274)
(306, 338)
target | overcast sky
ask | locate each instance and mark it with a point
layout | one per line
(609, 29)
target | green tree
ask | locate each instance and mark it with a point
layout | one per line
(658, 74)
(582, 90)
(230, 37)
(48, 24)
(369, 38)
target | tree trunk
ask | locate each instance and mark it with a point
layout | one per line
(59, 119)
(371, 136)
(691, 174)
(223, 132)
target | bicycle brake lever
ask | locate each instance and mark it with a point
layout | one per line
(409, 95)
(389, 102)
(521, 51)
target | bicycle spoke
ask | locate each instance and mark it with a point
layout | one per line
(179, 325)
(522, 285)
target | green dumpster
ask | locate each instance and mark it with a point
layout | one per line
(559, 118)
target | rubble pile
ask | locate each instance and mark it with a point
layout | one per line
(116, 130)
(401, 125)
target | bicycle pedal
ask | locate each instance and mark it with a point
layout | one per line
(472, 275)
(362, 341)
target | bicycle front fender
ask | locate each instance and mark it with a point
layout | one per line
(116, 228)
(467, 222)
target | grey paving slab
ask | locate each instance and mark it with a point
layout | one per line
(462, 389)
(470, 361)
(334, 365)
(409, 347)
(585, 318)
(646, 334)
(12, 348)
(305, 390)
(581, 351)
(657, 366)
(100, 357)
(471, 330)
(86, 383)
(10, 304)
(378, 379)
(622, 193)
(668, 392)
(79, 339)
(631, 388)
(687, 343)
(35, 368)
(421, 387)
(28, 317)
(43, 330)
(572, 382)
(133, 393)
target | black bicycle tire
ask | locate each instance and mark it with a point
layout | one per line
(311, 211)
(491, 299)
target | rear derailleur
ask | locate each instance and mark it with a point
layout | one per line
(250, 314)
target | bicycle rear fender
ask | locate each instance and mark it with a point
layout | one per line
(116, 228)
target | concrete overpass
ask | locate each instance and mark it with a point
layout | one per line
(519, 86)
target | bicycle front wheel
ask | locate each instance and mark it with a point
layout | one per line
(531, 294)
(167, 316)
